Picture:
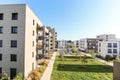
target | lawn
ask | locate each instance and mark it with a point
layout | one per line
(73, 69)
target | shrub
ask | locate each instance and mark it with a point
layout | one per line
(99, 56)
(4, 76)
(45, 63)
(108, 57)
(41, 69)
(19, 76)
(35, 75)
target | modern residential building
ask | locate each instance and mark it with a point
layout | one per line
(53, 40)
(76, 43)
(89, 44)
(108, 45)
(22, 38)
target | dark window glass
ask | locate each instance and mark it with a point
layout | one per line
(0, 57)
(33, 33)
(33, 22)
(114, 50)
(115, 45)
(13, 72)
(0, 43)
(14, 16)
(13, 43)
(33, 43)
(14, 29)
(109, 44)
(1, 16)
(1, 30)
(13, 57)
(109, 51)
(32, 54)
(0, 70)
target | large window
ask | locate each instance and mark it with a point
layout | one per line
(1, 16)
(109, 51)
(0, 57)
(1, 29)
(14, 16)
(109, 45)
(14, 29)
(0, 43)
(114, 45)
(13, 43)
(13, 57)
(114, 50)
(13, 72)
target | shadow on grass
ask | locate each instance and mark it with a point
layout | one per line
(75, 57)
(85, 68)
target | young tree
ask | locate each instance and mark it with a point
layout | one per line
(92, 52)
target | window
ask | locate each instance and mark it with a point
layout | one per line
(33, 22)
(0, 70)
(13, 43)
(32, 66)
(14, 16)
(0, 57)
(1, 30)
(1, 16)
(13, 72)
(0, 43)
(114, 50)
(109, 44)
(13, 57)
(32, 54)
(33, 33)
(33, 43)
(14, 29)
(109, 51)
(114, 45)
(99, 44)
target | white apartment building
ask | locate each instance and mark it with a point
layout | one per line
(76, 43)
(62, 44)
(108, 45)
(18, 31)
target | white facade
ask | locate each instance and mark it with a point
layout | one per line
(109, 45)
(76, 43)
(62, 44)
(26, 39)
(83, 44)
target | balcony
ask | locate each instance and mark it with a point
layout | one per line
(39, 28)
(38, 46)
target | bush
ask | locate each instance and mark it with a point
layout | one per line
(99, 56)
(41, 69)
(19, 76)
(45, 63)
(108, 57)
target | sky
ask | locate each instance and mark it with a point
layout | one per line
(76, 19)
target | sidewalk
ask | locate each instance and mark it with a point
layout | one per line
(48, 70)
(101, 60)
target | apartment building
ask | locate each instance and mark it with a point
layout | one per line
(108, 45)
(89, 44)
(53, 40)
(19, 39)
(76, 43)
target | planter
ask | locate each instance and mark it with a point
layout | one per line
(116, 70)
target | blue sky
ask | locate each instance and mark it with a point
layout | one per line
(76, 19)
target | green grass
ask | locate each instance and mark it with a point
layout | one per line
(73, 69)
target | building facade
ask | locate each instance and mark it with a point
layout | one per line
(19, 27)
(89, 44)
(108, 45)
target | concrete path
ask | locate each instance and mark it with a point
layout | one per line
(48, 70)
(101, 60)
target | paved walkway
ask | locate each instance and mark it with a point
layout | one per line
(101, 60)
(48, 70)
